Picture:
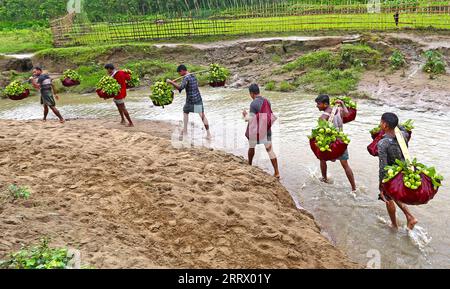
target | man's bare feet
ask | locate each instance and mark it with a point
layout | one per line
(412, 223)
(130, 125)
(277, 176)
(62, 121)
(324, 180)
(208, 136)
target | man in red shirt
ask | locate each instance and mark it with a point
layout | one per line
(119, 100)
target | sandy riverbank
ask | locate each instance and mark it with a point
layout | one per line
(128, 199)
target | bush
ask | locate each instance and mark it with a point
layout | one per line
(38, 257)
(435, 63)
(286, 86)
(397, 60)
(359, 55)
(323, 59)
(217, 73)
(271, 86)
(334, 82)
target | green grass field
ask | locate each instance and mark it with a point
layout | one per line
(24, 40)
(128, 32)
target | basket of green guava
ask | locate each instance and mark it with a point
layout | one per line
(351, 107)
(162, 94)
(218, 75)
(107, 87)
(328, 143)
(134, 79)
(17, 90)
(70, 78)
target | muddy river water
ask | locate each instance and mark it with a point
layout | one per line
(355, 222)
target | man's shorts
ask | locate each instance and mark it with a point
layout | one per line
(47, 98)
(194, 107)
(345, 156)
(119, 101)
(253, 143)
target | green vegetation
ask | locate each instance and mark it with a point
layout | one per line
(322, 59)
(286, 86)
(330, 72)
(134, 79)
(271, 85)
(25, 40)
(435, 63)
(397, 60)
(38, 257)
(19, 192)
(407, 125)
(332, 82)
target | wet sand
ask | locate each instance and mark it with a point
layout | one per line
(128, 199)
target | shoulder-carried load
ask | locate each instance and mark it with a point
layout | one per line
(162, 94)
(377, 134)
(328, 143)
(351, 106)
(70, 78)
(108, 87)
(17, 91)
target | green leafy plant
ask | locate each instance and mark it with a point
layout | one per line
(325, 134)
(71, 74)
(162, 93)
(359, 55)
(286, 86)
(19, 192)
(349, 103)
(323, 59)
(411, 174)
(108, 85)
(15, 88)
(407, 125)
(397, 60)
(435, 63)
(271, 85)
(38, 257)
(217, 73)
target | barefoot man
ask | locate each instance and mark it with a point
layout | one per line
(194, 101)
(44, 84)
(263, 133)
(323, 104)
(119, 100)
(389, 151)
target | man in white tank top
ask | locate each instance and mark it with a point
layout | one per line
(323, 104)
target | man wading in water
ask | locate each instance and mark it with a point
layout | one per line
(259, 129)
(119, 100)
(194, 101)
(389, 151)
(44, 84)
(323, 104)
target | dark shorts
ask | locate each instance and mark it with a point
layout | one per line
(386, 196)
(47, 98)
(194, 107)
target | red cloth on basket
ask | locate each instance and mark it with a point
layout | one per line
(396, 189)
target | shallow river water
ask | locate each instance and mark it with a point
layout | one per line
(355, 222)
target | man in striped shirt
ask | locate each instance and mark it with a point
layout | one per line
(194, 101)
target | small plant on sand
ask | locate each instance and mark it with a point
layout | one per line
(38, 257)
(397, 60)
(435, 63)
(19, 192)
(271, 86)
